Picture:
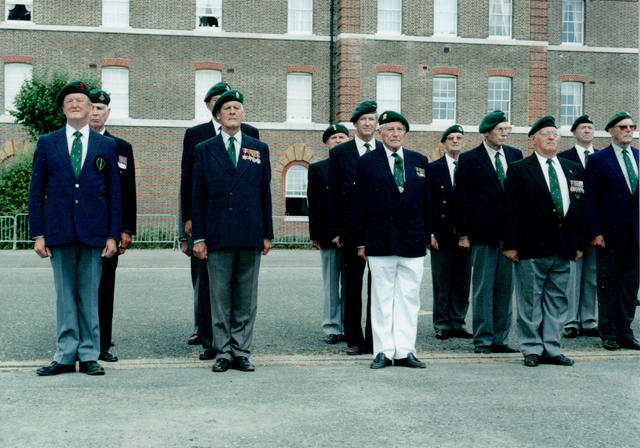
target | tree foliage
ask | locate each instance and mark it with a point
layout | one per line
(15, 177)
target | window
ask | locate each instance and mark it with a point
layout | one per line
(15, 74)
(499, 18)
(298, 97)
(209, 14)
(296, 191)
(389, 91)
(115, 81)
(389, 16)
(115, 12)
(444, 98)
(20, 10)
(572, 21)
(300, 16)
(204, 80)
(445, 17)
(499, 95)
(570, 102)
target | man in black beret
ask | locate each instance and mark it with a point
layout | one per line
(99, 115)
(193, 136)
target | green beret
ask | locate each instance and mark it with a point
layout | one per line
(99, 96)
(616, 118)
(217, 89)
(451, 130)
(334, 129)
(72, 87)
(391, 116)
(229, 95)
(581, 119)
(543, 122)
(491, 120)
(366, 107)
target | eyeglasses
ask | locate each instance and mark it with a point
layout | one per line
(452, 137)
(505, 129)
(548, 133)
(626, 127)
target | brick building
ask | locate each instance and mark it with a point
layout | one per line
(436, 61)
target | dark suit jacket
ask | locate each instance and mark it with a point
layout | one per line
(479, 208)
(62, 208)
(231, 205)
(610, 208)
(343, 162)
(532, 226)
(318, 197)
(192, 137)
(389, 222)
(127, 168)
(442, 204)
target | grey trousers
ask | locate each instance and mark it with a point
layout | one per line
(76, 274)
(582, 292)
(492, 289)
(451, 277)
(542, 304)
(233, 291)
(333, 288)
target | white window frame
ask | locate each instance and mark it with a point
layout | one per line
(389, 91)
(569, 111)
(299, 97)
(10, 4)
(502, 19)
(115, 81)
(444, 99)
(389, 17)
(300, 17)
(573, 30)
(445, 12)
(499, 97)
(115, 13)
(209, 8)
(15, 74)
(298, 175)
(204, 79)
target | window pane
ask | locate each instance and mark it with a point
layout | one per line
(115, 81)
(299, 97)
(444, 98)
(390, 16)
(300, 16)
(572, 21)
(389, 91)
(14, 76)
(499, 95)
(19, 10)
(296, 182)
(209, 14)
(500, 18)
(115, 12)
(204, 80)
(445, 17)
(570, 102)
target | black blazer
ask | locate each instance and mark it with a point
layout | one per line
(343, 162)
(318, 198)
(532, 227)
(192, 137)
(127, 168)
(479, 208)
(442, 224)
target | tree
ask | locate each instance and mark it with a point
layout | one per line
(15, 177)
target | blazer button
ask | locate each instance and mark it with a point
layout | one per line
(77, 185)
(76, 201)
(231, 193)
(230, 209)
(444, 202)
(441, 186)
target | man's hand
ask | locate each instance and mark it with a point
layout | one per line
(125, 242)
(464, 243)
(361, 254)
(434, 243)
(267, 246)
(315, 244)
(336, 241)
(200, 250)
(184, 247)
(41, 248)
(511, 254)
(598, 241)
(110, 248)
(578, 255)
(187, 228)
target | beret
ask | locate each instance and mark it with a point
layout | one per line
(99, 96)
(366, 107)
(391, 116)
(543, 122)
(334, 129)
(229, 95)
(451, 130)
(616, 118)
(581, 119)
(216, 90)
(72, 87)
(491, 120)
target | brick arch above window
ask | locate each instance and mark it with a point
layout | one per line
(16, 59)
(505, 72)
(452, 71)
(298, 153)
(573, 78)
(204, 65)
(300, 69)
(115, 62)
(389, 69)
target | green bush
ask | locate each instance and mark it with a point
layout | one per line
(15, 177)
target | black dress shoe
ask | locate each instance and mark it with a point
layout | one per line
(629, 344)
(531, 360)
(503, 349)
(194, 339)
(243, 364)
(442, 334)
(610, 344)
(570, 333)
(221, 365)
(354, 350)
(380, 362)
(56, 368)
(332, 339)
(482, 349)
(91, 368)
(559, 360)
(590, 332)
(410, 361)
(208, 354)
(460, 333)
(107, 357)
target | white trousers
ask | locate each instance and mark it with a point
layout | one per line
(395, 302)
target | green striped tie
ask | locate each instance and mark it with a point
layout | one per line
(367, 148)
(398, 172)
(455, 168)
(586, 157)
(500, 169)
(76, 154)
(554, 187)
(231, 150)
(633, 177)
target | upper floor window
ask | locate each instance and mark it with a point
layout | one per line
(572, 21)
(300, 16)
(115, 12)
(389, 91)
(15, 74)
(444, 98)
(18, 10)
(204, 80)
(299, 97)
(445, 17)
(389, 16)
(296, 191)
(209, 14)
(500, 14)
(570, 102)
(115, 81)
(499, 95)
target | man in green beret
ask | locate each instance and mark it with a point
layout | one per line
(542, 236)
(332, 271)
(480, 213)
(450, 264)
(611, 206)
(583, 306)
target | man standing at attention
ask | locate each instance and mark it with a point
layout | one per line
(479, 195)
(74, 218)
(332, 272)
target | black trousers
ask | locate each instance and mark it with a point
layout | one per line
(200, 282)
(353, 271)
(105, 300)
(451, 277)
(618, 280)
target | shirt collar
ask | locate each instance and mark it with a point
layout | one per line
(450, 160)
(582, 149)
(543, 160)
(237, 136)
(84, 131)
(619, 149)
(492, 152)
(390, 153)
(360, 143)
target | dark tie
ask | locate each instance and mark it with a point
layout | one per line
(554, 187)
(586, 157)
(231, 150)
(76, 154)
(367, 148)
(499, 169)
(398, 172)
(633, 177)
(455, 168)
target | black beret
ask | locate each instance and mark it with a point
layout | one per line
(616, 118)
(229, 95)
(391, 116)
(543, 122)
(217, 89)
(99, 96)
(334, 129)
(366, 107)
(491, 120)
(72, 87)
(581, 119)
(451, 130)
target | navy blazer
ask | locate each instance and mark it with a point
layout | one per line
(442, 204)
(389, 222)
(62, 208)
(127, 168)
(531, 224)
(231, 206)
(318, 198)
(343, 163)
(610, 208)
(479, 206)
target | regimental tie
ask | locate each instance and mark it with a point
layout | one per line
(455, 168)
(633, 177)
(367, 148)
(586, 157)
(398, 172)
(76, 154)
(554, 187)
(231, 150)
(500, 169)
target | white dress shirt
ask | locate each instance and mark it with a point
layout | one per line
(492, 156)
(562, 180)
(237, 142)
(618, 151)
(392, 160)
(451, 164)
(360, 145)
(84, 139)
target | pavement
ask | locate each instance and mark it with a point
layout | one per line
(304, 392)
